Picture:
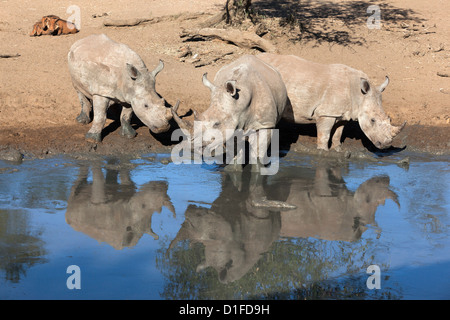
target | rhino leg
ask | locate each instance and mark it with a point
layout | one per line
(101, 104)
(324, 126)
(86, 107)
(259, 144)
(336, 140)
(236, 164)
(125, 117)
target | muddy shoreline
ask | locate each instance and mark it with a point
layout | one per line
(69, 140)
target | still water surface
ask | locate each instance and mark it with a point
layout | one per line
(145, 229)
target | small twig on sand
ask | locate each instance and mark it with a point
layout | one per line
(443, 74)
(6, 55)
(125, 22)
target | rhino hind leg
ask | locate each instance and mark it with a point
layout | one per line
(100, 105)
(125, 117)
(324, 126)
(86, 108)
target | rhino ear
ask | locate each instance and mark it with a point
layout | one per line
(133, 72)
(365, 86)
(231, 87)
(384, 84)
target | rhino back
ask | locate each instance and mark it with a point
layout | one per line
(316, 89)
(97, 66)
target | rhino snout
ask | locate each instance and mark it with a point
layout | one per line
(160, 129)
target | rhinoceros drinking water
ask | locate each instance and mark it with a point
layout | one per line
(104, 72)
(329, 95)
(247, 95)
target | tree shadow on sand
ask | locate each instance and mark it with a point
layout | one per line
(330, 22)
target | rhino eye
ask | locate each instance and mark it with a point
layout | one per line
(145, 106)
(372, 121)
(216, 125)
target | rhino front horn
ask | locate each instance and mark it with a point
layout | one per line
(395, 130)
(185, 126)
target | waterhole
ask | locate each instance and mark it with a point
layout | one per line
(150, 229)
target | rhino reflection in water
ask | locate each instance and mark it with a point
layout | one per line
(326, 209)
(238, 228)
(234, 232)
(117, 214)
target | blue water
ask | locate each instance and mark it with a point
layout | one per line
(142, 229)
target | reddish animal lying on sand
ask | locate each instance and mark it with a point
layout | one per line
(53, 25)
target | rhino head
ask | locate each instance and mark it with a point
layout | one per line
(373, 121)
(220, 120)
(148, 106)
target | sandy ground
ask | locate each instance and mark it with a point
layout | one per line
(38, 104)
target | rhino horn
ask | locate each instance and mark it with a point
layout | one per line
(395, 130)
(157, 69)
(185, 126)
(206, 82)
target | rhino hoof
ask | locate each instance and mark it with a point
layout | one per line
(93, 137)
(128, 132)
(83, 118)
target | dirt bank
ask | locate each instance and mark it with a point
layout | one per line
(38, 105)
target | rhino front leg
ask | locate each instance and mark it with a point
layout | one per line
(101, 104)
(86, 107)
(259, 143)
(125, 117)
(236, 163)
(324, 126)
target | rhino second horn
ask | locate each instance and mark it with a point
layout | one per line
(157, 69)
(206, 82)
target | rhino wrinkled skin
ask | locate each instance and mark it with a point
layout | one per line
(329, 95)
(105, 72)
(247, 94)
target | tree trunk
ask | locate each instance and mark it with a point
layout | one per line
(232, 13)
(238, 11)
